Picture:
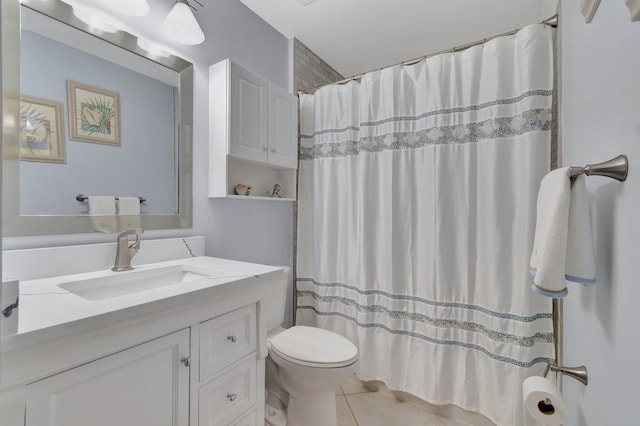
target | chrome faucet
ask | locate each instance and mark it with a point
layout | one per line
(126, 251)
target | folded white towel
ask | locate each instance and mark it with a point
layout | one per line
(580, 265)
(102, 209)
(102, 204)
(563, 244)
(129, 210)
(128, 205)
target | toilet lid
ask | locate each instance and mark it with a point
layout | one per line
(310, 345)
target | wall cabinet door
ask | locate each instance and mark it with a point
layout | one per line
(248, 103)
(283, 128)
(144, 385)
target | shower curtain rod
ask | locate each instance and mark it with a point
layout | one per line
(552, 22)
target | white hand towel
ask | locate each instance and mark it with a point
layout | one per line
(128, 205)
(129, 210)
(102, 204)
(580, 266)
(102, 209)
(563, 245)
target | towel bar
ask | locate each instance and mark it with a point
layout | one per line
(616, 168)
(82, 198)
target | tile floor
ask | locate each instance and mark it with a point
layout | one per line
(359, 406)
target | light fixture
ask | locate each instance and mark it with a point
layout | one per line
(129, 7)
(634, 8)
(97, 19)
(151, 48)
(588, 9)
(182, 26)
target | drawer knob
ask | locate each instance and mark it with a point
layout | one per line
(231, 396)
(232, 338)
(186, 361)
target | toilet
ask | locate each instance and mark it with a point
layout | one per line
(304, 367)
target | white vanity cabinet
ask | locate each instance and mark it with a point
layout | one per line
(195, 361)
(146, 384)
(253, 128)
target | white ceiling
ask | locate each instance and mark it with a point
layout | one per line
(356, 36)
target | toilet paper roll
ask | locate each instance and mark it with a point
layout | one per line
(543, 400)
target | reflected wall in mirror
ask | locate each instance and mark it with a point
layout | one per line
(150, 102)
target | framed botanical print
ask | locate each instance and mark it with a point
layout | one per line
(41, 131)
(94, 114)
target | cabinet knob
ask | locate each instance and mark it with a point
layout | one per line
(232, 338)
(264, 148)
(231, 396)
(273, 150)
(186, 361)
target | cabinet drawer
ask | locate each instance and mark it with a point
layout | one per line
(228, 396)
(248, 420)
(226, 339)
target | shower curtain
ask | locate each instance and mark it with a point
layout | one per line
(417, 196)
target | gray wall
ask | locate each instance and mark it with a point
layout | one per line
(237, 229)
(142, 166)
(600, 119)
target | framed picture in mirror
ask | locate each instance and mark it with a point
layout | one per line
(41, 131)
(94, 114)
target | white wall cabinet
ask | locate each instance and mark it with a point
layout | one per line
(146, 384)
(253, 128)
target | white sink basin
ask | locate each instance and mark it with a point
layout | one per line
(123, 283)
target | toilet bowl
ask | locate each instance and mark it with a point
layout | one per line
(304, 368)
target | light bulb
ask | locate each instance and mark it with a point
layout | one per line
(182, 26)
(97, 19)
(152, 48)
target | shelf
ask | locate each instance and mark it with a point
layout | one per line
(257, 198)
(232, 171)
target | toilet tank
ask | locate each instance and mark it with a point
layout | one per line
(274, 304)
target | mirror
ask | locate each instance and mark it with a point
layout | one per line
(90, 113)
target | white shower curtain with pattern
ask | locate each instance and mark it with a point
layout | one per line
(416, 213)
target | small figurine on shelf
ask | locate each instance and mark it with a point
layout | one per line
(276, 191)
(243, 189)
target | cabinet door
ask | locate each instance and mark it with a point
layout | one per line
(248, 103)
(283, 128)
(144, 385)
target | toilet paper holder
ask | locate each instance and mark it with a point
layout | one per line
(578, 373)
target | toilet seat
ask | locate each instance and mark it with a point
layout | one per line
(313, 347)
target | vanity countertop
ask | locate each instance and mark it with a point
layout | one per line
(48, 311)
